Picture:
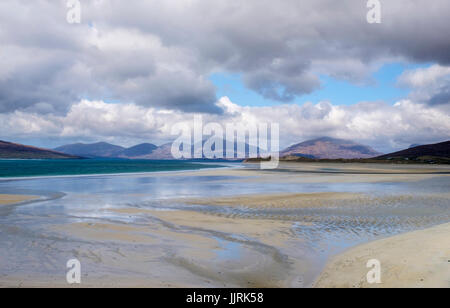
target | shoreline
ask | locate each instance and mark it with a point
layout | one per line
(403, 265)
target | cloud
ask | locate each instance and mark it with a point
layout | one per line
(133, 68)
(430, 85)
(424, 77)
(48, 62)
(161, 53)
(443, 97)
(386, 127)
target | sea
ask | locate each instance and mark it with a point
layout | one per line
(11, 168)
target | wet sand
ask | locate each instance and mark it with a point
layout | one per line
(261, 251)
(213, 251)
(290, 173)
(14, 199)
(419, 259)
(280, 200)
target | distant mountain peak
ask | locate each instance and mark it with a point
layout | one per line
(331, 148)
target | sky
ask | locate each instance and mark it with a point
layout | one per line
(130, 70)
(382, 87)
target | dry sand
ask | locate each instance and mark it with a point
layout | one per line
(419, 259)
(14, 199)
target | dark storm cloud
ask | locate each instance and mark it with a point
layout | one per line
(161, 53)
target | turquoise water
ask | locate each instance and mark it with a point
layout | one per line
(30, 168)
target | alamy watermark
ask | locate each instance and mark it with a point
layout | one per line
(73, 275)
(374, 14)
(198, 140)
(74, 13)
(374, 275)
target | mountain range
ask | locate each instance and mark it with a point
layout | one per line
(321, 148)
(107, 150)
(140, 151)
(438, 153)
(317, 149)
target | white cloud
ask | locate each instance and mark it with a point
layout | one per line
(384, 126)
(424, 77)
(430, 85)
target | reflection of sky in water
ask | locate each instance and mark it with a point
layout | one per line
(228, 250)
(90, 196)
(181, 186)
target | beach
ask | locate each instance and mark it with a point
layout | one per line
(419, 259)
(301, 225)
(14, 199)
